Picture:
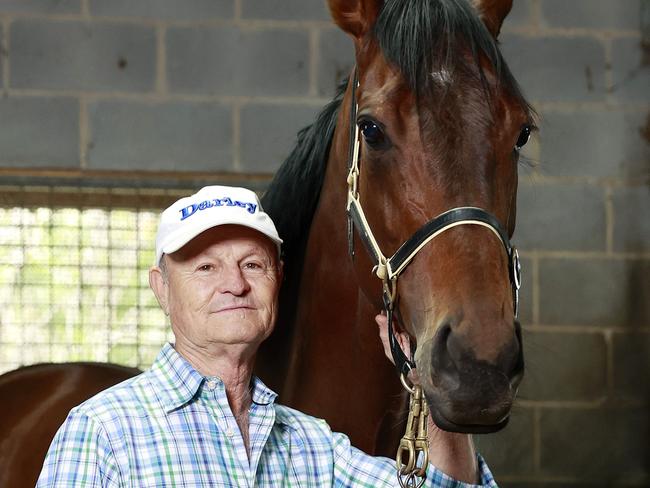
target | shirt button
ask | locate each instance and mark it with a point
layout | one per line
(212, 385)
(229, 432)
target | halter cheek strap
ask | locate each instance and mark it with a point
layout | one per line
(389, 269)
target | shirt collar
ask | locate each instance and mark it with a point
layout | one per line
(177, 382)
(262, 394)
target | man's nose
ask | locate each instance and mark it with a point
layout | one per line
(232, 280)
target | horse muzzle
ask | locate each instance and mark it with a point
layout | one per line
(466, 394)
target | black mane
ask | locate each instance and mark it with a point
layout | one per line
(292, 196)
(291, 200)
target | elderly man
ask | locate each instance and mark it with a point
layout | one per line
(199, 417)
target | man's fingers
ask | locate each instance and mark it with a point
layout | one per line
(404, 342)
(402, 337)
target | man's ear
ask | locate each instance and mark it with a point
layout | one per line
(160, 288)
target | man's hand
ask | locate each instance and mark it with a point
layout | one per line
(382, 322)
(402, 339)
(452, 453)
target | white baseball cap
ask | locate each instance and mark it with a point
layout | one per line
(209, 207)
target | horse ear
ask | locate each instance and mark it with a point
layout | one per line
(356, 17)
(492, 13)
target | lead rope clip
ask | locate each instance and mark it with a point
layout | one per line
(414, 444)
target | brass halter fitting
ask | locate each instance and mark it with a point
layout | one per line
(412, 469)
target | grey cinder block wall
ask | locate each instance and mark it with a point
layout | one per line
(222, 86)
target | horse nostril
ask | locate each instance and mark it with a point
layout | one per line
(510, 361)
(451, 352)
(441, 359)
(517, 372)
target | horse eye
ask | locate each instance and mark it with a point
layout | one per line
(524, 135)
(372, 134)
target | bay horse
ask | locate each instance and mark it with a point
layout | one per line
(35, 400)
(439, 122)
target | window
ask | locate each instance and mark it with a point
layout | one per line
(74, 276)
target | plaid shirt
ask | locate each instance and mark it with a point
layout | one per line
(170, 426)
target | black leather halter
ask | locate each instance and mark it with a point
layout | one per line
(389, 269)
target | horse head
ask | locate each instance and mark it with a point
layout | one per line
(441, 121)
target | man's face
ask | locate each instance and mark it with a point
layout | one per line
(221, 288)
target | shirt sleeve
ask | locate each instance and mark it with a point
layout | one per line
(354, 468)
(79, 456)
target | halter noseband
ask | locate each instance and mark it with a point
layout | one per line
(389, 269)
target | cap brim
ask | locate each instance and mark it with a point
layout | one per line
(176, 242)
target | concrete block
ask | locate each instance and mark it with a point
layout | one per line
(164, 9)
(631, 222)
(82, 56)
(597, 292)
(510, 452)
(561, 216)
(335, 60)
(572, 144)
(521, 14)
(564, 366)
(180, 136)
(39, 132)
(285, 9)
(632, 365)
(41, 6)
(233, 61)
(630, 70)
(601, 445)
(621, 14)
(268, 134)
(557, 69)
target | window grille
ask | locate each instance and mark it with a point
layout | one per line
(74, 276)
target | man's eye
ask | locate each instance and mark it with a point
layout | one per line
(254, 267)
(205, 267)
